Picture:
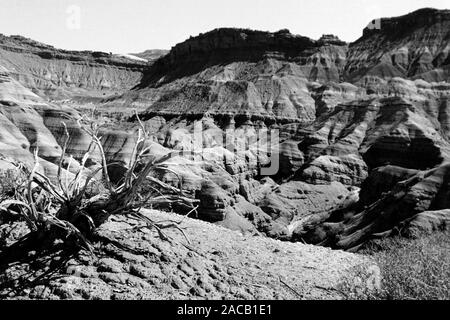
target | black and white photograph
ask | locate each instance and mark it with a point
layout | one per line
(248, 151)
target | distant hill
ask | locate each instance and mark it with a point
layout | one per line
(151, 55)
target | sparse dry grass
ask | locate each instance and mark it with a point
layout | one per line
(10, 180)
(413, 269)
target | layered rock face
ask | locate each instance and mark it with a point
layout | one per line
(18, 107)
(40, 85)
(240, 72)
(60, 74)
(303, 140)
(413, 46)
(387, 130)
(29, 123)
(232, 45)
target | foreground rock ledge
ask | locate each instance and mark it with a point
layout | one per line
(223, 264)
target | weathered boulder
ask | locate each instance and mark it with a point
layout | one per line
(427, 222)
(349, 170)
(294, 200)
(214, 202)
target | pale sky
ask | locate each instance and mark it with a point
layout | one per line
(136, 25)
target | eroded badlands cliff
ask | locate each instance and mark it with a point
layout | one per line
(362, 129)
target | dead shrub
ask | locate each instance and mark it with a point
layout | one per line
(74, 206)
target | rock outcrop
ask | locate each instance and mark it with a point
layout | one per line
(400, 210)
(240, 71)
(427, 222)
